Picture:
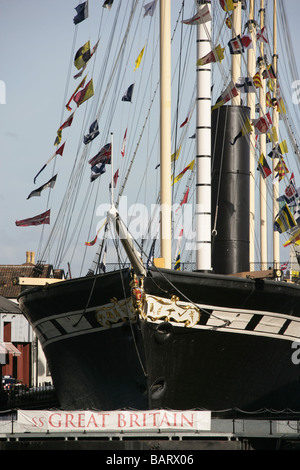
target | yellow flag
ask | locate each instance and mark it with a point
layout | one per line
(216, 55)
(273, 136)
(82, 56)
(283, 147)
(295, 238)
(138, 60)
(228, 5)
(175, 155)
(189, 167)
(281, 107)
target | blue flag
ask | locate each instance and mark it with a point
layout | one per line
(82, 12)
(128, 94)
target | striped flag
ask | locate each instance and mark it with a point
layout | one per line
(284, 220)
(40, 219)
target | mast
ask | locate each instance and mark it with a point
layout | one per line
(262, 142)
(203, 150)
(165, 132)
(251, 56)
(276, 254)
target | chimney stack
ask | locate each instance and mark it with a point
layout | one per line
(30, 257)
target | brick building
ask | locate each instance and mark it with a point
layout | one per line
(21, 355)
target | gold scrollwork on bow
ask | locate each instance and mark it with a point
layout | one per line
(172, 310)
(114, 312)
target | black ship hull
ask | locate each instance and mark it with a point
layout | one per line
(195, 340)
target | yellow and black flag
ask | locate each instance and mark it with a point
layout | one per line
(284, 220)
(82, 56)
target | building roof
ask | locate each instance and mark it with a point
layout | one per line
(9, 275)
(7, 306)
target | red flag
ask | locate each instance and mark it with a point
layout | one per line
(116, 176)
(84, 94)
(37, 220)
(124, 144)
(262, 124)
(185, 197)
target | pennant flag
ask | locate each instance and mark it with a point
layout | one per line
(128, 94)
(115, 178)
(228, 5)
(85, 94)
(261, 36)
(124, 144)
(58, 152)
(284, 266)
(284, 220)
(202, 16)
(108, 4)
(291, 194)
(263, 166)
(40, 219)
(138, 60)
(291, 191)
(177, 262)
(85, 64)
(272, 135)
(49, 184)
(262, 124)
(230, 92)
(81, 72)
(149, 8)
(268, 100)
(269, 72)
(246, 129)
(81, 84)
(82, 56)
(295, 239)
(216, 55)
(228, 21)
(82, 11)
(257, 80)
(281, 168)
(185, 197)
(245, 85)
(67, 123)
(95, 239)
(184, 122)
(275, 152)
(297, 211)
(283, 147)
(175, 155)
(281, 107)
(93, 133)
(103, 156)
(189, 167)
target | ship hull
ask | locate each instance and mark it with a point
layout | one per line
(194, 341)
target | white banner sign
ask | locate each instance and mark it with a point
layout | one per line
(152, 420)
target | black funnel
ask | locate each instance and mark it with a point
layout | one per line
(230, 190)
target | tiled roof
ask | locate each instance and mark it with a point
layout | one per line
(9, 274)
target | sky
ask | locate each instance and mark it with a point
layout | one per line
(35, 43)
